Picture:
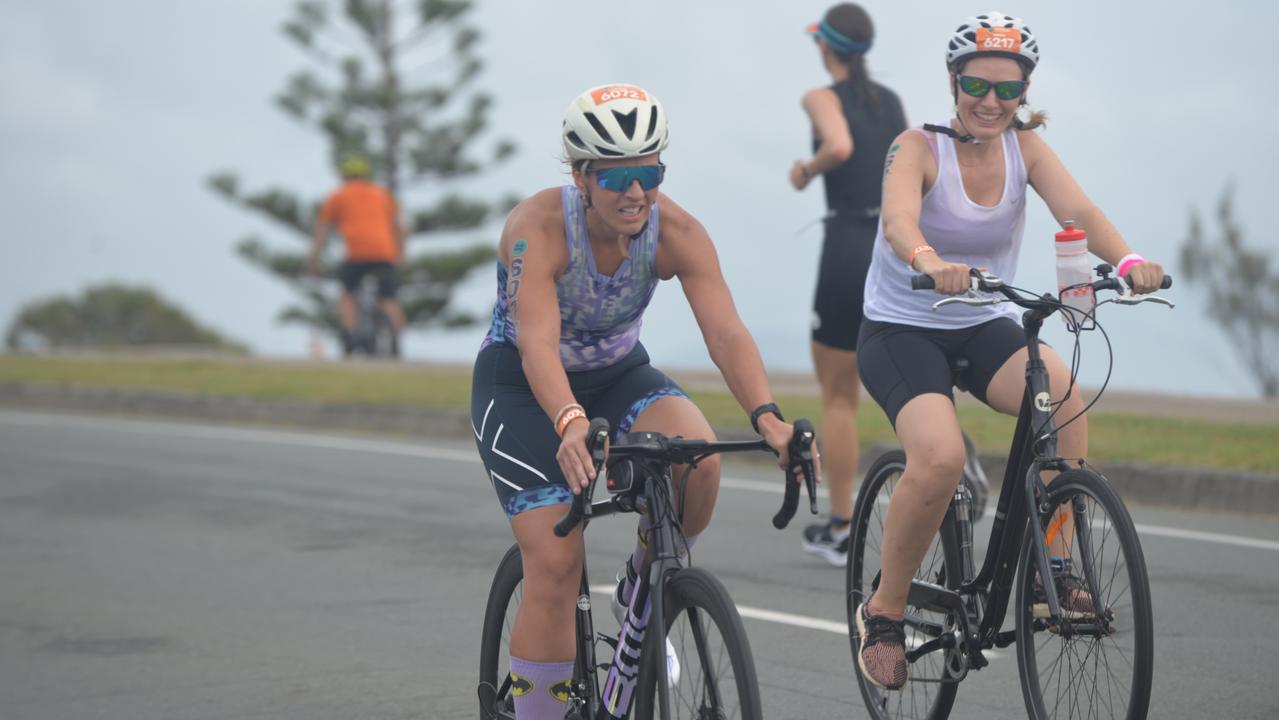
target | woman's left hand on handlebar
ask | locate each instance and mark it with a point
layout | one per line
(778, 434)
(1146, 277)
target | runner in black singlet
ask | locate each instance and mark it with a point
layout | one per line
(854, 122)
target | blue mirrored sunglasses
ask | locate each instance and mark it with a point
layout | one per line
(618, 179)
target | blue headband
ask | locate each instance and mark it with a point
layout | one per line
(840, 42)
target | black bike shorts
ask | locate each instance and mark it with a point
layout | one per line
(351, 273)
(901, 362)
(517, 441)
(841, 280)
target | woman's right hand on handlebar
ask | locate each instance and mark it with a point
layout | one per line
(949, 278)
(575, 458)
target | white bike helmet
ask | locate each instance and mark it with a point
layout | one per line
(993, 33)
(614, 121)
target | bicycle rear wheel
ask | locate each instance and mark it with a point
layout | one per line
(1085, 668)
(925, 695)
(497, 702)
(717, 671)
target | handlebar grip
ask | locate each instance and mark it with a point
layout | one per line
(596, 436)
(801, 457)
(1167, 282)
(922, 282)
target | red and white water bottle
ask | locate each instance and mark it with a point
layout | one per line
(1073, 275)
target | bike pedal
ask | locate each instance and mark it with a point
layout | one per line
(929, 596)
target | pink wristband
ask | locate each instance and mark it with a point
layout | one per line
(1128, 262)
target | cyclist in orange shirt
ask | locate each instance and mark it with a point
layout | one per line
(364, 214)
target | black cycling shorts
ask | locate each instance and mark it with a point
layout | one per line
(841, 280)
(517, 441)
(351, 273)
(901, 362)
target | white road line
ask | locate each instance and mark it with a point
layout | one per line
(782, 618)
(402, 449)
(1208, 537)
(754, 613)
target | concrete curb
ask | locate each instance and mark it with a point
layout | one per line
(1181, 487)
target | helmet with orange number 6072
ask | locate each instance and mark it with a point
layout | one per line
(613, 122)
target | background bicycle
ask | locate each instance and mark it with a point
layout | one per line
(1084, 642)
(716, 673)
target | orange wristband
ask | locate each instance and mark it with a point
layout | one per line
(910, 259)
(572, 413)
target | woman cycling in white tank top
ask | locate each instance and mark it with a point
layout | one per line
(955, 199)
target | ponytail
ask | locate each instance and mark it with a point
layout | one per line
(860, 79)
(1038, 119)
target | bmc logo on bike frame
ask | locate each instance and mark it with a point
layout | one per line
(1001, 39)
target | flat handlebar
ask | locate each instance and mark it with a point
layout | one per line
(926, 282)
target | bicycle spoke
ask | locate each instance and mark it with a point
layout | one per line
(1094, 673)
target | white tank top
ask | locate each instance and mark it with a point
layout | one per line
(959, 230)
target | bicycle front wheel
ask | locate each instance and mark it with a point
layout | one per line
(926, 695)
(717, 671)
(1085, 666)
(497, 699)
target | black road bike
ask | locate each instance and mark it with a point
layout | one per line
(717, 677)
(1094, 663)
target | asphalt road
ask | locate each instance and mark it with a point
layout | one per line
(165, 570)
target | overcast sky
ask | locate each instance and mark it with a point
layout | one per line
(114, 113)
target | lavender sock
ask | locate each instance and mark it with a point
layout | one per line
(540, 688)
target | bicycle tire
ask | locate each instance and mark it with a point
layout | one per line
(384, 343)
(495, 639)
(696, 599)
(1046, 656)
(924, 697)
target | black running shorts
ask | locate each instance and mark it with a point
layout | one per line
(841, 280)
(351, 273)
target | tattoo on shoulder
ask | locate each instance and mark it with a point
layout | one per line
(892, 154)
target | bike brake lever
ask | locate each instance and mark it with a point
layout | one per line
(801, 458)
(970, 298)
(1129, 299)
(580, 509)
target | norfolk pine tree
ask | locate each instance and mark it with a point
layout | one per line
(1243, 292)
(360, 98)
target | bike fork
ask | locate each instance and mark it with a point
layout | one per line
(586, 691)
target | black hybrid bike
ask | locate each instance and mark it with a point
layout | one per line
(1090, 662)
(717, 677)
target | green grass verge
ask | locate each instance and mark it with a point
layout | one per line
(1113, 438)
